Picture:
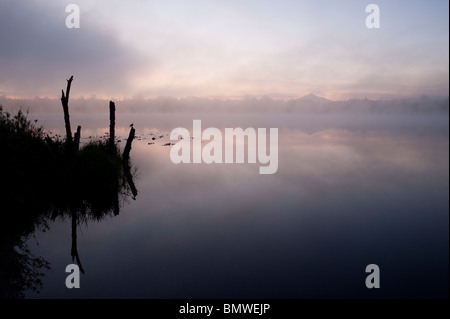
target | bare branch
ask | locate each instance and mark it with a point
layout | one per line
(69, 83)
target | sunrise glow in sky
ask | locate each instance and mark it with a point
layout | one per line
(226, 49)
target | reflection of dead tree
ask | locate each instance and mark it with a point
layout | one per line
(73, 147)
(74, 250)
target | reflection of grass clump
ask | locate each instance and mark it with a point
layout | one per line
(99, 177)
(26, 161)
(42, 177)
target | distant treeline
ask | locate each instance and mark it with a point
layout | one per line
(306, 104)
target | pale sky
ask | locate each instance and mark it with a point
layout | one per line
(225, 48)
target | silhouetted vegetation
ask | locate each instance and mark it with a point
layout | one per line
(47, 178)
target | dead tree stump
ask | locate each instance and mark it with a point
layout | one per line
(65, 105)
(112, 123)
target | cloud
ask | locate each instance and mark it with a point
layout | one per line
(218, 49)
(39, 52)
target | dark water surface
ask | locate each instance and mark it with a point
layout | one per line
(349, 191)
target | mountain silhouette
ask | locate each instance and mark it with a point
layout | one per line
(313, 99)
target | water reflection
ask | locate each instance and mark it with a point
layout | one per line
(103, 198)
(43, 181)
(346, 194)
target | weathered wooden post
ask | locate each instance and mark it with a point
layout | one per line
(112, 123)
(65, 105)
(127, 149)
(126, 162)
(77, 139)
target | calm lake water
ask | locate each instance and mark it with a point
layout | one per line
(349, 191)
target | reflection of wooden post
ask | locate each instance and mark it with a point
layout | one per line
(74, 250)
(126, 151)
(129, 179)
(112, 123)
(65, 105)
(77, 139)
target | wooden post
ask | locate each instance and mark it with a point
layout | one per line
(112, 123)
(126, 151)
(126, 162)
(65, 105)
(77, 139)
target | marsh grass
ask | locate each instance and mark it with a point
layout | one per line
(43, 179)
